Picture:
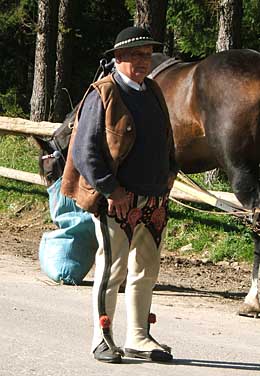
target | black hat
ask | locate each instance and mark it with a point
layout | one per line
(132, 37)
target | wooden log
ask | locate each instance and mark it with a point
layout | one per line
(227, 196)
(21, 176)
(25, 127)
(185, 192)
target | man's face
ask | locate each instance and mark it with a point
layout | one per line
(134, 62)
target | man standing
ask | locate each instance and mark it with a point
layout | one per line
(120, 167)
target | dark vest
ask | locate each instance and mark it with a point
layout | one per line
(145, 170)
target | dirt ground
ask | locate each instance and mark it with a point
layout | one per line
(20, 237)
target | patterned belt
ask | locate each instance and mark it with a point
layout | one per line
(154, 215)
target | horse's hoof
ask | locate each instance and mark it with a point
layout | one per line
(249, 311)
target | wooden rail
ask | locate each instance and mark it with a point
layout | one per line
(18, 126)
(27, 177)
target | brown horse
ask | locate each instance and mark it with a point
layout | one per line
(214, 106)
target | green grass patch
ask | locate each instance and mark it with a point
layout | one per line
(216, 237)
(22, 154)
(19, 152)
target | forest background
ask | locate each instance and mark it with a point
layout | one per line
(191, 31)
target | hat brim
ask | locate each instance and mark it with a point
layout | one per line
(137, 43)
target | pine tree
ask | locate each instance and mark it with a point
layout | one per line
(230, 18)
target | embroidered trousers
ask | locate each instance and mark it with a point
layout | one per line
(135, 254)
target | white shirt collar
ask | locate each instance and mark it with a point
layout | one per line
(134, 85)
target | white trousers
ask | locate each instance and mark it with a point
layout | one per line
(139, 261)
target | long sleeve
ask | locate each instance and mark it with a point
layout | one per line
(87, 152)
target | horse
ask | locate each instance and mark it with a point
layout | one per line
(214, 107)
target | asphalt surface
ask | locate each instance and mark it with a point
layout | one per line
(46, 329)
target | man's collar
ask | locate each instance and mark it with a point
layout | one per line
(134, 85)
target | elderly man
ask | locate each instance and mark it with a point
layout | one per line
(120, 167)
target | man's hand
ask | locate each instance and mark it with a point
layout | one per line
(119, 202)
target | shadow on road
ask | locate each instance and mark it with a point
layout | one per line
(186, 291)
(218, 364)
(202, 363)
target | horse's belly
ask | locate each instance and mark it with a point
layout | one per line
(195, 156)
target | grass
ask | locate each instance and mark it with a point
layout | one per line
(209, 236)
(19, 153)
(215, 237)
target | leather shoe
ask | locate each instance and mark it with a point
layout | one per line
(155, 355)
(104, 354)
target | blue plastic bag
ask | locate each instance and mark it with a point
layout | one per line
(68, 253)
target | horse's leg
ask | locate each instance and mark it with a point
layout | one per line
(245, 185)
(251, 306)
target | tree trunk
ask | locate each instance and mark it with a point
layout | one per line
(44, 57)
(61, 104)
(169, 47)
(52, 53)
(230, 18)
(151, 15)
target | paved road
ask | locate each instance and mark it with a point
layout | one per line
(45, 330)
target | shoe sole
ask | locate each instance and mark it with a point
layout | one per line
(149, 355)
(114, 361)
